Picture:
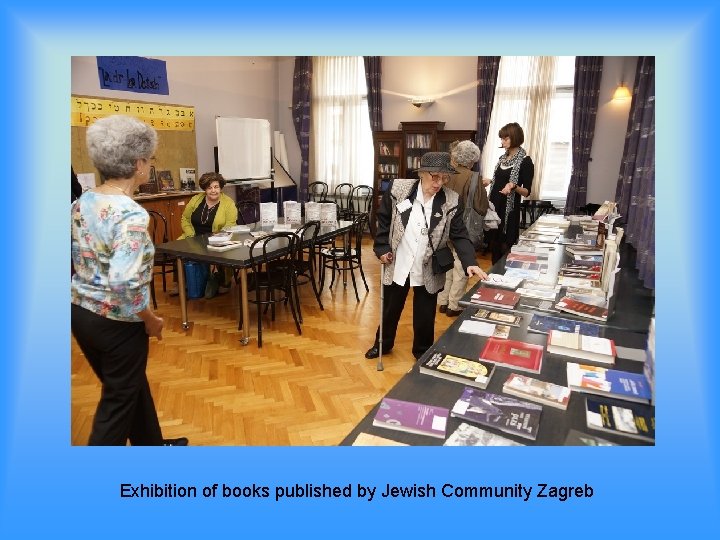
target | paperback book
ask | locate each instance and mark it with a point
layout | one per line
(537, 293)
(584, 250)
(503, 282)
(537, 304)
(501, 412)
(492, 297)
(543, 392)
(540, 267)
(631, 419)
(521, 273)
(366, 439)
(513, 354)
(497, 317)
(458, 369)
(467, 435)
(478, 328)
(576, 307)
(608, 382)
(525, 257)
(578, 438)
(412, 417)
(544, 323)
(576, 345)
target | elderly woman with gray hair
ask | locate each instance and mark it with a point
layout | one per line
(112, 252)
(463, 155)
(416, 218)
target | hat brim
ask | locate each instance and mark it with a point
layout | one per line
(448, 170)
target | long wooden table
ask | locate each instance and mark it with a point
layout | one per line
(196, 249)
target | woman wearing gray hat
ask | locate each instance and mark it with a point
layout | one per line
(415, 219)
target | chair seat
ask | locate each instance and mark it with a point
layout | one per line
(338, 252)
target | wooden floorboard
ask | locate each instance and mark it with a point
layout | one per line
(306, 390)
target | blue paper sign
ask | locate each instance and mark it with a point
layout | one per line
(133, 74)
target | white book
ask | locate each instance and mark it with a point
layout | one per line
(573, 344)
(479, 328)
(503, 281)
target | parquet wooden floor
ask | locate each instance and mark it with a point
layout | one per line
(296, 390)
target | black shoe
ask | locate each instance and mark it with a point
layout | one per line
(452, 313)
(374, 352)
(443, 309)
(182, 441)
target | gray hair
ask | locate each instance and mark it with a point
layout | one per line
(115, 143)
(466, 153)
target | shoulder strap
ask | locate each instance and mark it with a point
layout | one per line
(473, 189)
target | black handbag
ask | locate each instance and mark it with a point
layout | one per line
(442, 260)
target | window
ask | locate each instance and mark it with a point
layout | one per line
(537, 93)
(342, 139)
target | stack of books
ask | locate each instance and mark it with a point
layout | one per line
(576, 345)
(576, 307)
(497, 298)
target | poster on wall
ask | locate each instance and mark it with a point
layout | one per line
(133, 74)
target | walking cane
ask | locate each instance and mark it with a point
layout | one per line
(380, 337)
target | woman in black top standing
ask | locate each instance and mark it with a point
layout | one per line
(512, 179)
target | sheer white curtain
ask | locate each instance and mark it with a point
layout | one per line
(342, 148)
(524, 93)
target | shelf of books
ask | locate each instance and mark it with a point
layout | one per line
(533, 359)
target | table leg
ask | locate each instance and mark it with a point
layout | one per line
(245, 333)
(182, 293)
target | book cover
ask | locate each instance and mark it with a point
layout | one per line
(630, 419)
(525, 257)
(458, 369)
(497, 317)
(576, 345)
(537, 293)
(493, 297)
(578, 438)
(526, 265)
(515, 354)
(538, 304)
(501, 412)
(521, 273)
(608, 382)
(570, 305)
(366, 439)
(412, 417)
(544, 323)
(165, 181)
(543, 392)
(467, 435)
(479, 328)
(502, 331)
(502, 281)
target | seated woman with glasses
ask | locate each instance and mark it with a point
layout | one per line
(415, 219)
(208, 213)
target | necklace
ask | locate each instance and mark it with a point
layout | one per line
(116, 187)
(207, 212)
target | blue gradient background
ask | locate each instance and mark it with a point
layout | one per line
(48, 488)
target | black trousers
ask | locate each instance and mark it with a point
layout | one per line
(117, 352)
(424, 305)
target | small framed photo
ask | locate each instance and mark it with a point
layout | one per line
(151, 185)
(165, 181)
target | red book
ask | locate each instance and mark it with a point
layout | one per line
(515, 354)
(582, 309)
(525, 257)
(490, 296)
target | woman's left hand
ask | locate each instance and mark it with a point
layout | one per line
(507, 190)
(476, 271)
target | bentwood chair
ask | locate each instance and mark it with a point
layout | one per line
(162, 264)
(317, 192)
(361, 201)
(273, 277)
(248, 212)
(342, 195)
(347, 257)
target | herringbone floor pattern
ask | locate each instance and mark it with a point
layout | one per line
(296, 390)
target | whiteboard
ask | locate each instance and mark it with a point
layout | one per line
(243, 147)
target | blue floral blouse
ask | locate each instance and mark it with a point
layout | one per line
(112, 253)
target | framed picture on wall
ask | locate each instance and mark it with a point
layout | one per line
(165, 181)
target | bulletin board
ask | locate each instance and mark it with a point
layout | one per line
(175, 125)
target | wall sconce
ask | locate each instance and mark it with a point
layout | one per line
(419, 102)
(622, 93)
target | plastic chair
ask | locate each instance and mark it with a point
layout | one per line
(349, 255)
(163, 263)
(342, 195)
(248, 212)
(272, 276)
(317, 192)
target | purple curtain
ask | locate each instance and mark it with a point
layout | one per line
(487, 74)
(635, 193)
(373, 71)
(301, 107)
(586, 94)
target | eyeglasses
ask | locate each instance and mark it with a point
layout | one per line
(440, 178)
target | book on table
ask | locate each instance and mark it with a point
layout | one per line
(578, 438)
(584, 250)
(581, 281)
(540, 267)
(497, 317)
(523, 274)
(544, 323)
(536, 390)
(458, 369)
(588, 267)
(634, 420)
(526, 257)
(576, 345)
(513, 354)
(366, 439)
(502, 281)
(538, 304)
(467, 435)
(537, 293)
(501, 412)
(478, 328)
(576, 307)
(412, 417)
(608, 382)
(492, 297)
